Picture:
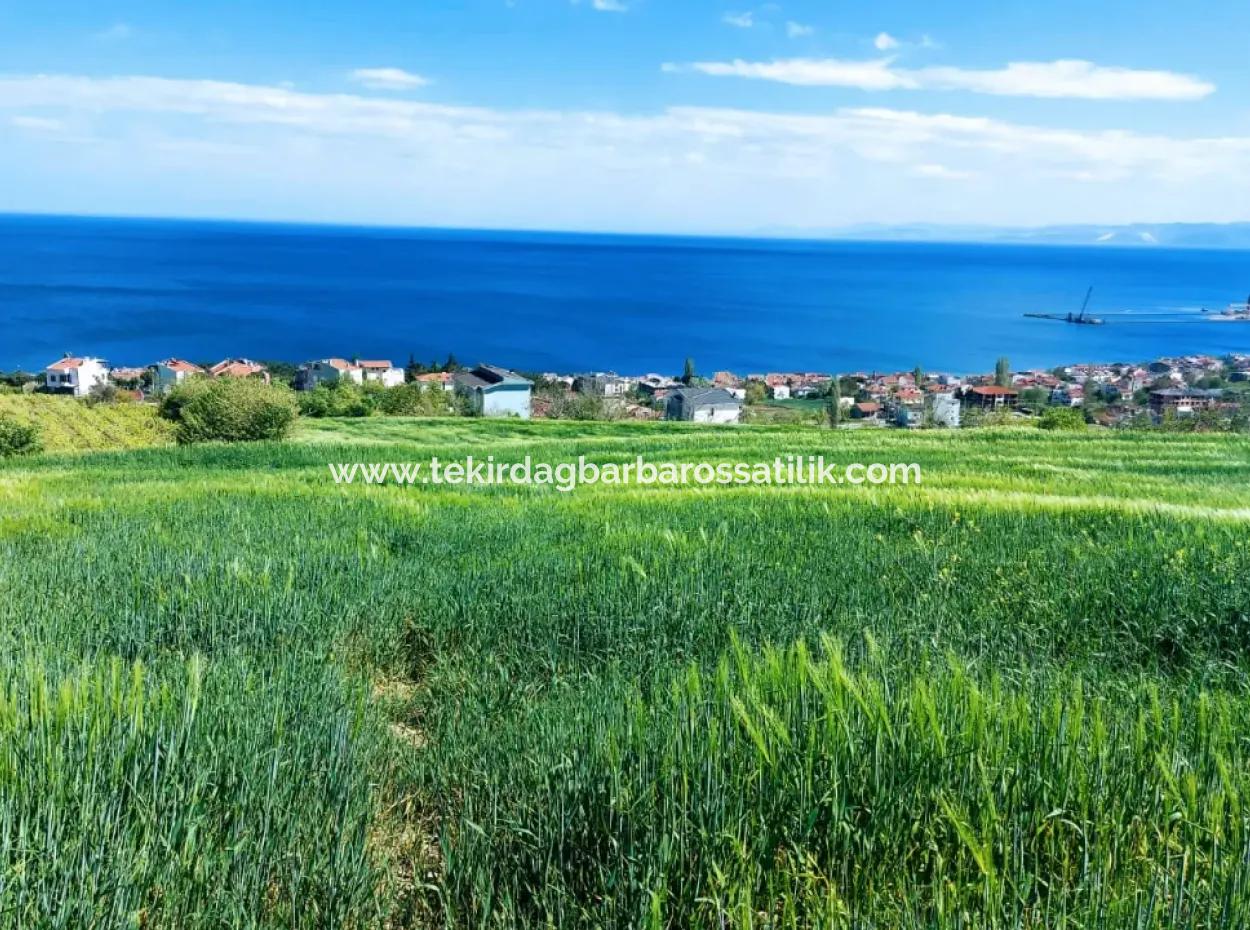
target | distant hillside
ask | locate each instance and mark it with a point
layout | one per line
(1173, 235)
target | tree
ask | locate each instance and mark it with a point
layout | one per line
(412, 369)
(688, 373)
(835, 402)
(756, 393)
(229, 410)
(18, 438)
(1002, 372)
(452, 363)
(917, 375)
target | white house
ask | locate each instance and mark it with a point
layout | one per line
(330, 370)
(703, 405)
(327, 371)
(495, 392)
(381, 371)
(76, 376)
(443, 379)
(602, 383)
(172, 372)
(781, 392)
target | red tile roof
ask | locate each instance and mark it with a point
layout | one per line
(236, 368)
(177, 364)
(994, 390)
(66, 364)
(384, 364)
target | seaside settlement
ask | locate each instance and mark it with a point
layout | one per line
(1105, 394)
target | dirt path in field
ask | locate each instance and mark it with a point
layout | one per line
(405, 834)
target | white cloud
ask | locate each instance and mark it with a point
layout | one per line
(828, 72)
(38, 124)
(884, 42)
(798, 30)
(388, 158)
(1065, 78)
(603, 6)
(115, 33)
(739, 20)
(941, 172)
(387, 79)
(1069, 78)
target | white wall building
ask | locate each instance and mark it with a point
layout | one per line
(703, 405)
(330, 370)
(495, 392)
(172, 372)
(75, 375)
(327, 371)
(381, 371)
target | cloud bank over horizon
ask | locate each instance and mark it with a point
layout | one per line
(229, 148)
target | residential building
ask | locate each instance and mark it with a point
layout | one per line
(331, 370)
(443, 379)
(381, 371)
(327, 371)
(495, 392)
(239, 368)
(908, 406)
(77, 376)
(991, 397)
(1182, 401)
(601, 384)
(703, 405)
(127, 375)
(780, 391)
(657, 387)
(944, 410)
(171, 372)
(866, 410)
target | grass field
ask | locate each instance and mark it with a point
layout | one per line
(235, 694)
(70, 425)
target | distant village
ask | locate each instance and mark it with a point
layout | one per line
(1105, 394)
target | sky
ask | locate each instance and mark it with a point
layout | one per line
(670, 116)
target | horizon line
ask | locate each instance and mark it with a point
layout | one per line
(832, 235)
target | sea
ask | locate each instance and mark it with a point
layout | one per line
(134, 291)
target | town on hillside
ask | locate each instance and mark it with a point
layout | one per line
(1201, 389)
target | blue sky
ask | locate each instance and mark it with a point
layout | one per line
(631, 115)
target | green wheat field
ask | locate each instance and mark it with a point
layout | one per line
(236, 695)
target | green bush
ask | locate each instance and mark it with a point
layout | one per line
(229, 410)
(414, 400)
(18, 438)
(337, 399)
(1064, 418)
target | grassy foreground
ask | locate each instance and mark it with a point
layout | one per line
(235, 694)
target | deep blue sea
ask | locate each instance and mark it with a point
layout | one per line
(135, 291)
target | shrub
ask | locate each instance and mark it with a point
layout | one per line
(229, 410)
(337, 399)
(414, 400)
(566, 406)
(18, 438)
(1064, 418)
(103, 393)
